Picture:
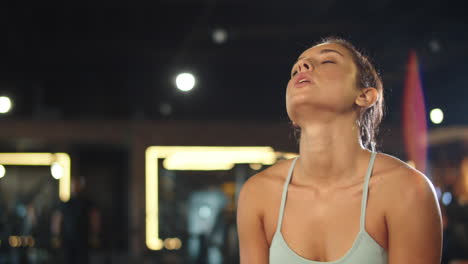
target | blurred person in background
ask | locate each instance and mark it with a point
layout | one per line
(77, 225)
(206, 225)
(345, 202)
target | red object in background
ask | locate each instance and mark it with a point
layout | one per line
(414, 115)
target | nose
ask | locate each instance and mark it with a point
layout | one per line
(304, 65)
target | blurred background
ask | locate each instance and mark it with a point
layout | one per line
(101, 101)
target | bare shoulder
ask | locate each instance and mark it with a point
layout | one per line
(412, 212)
(269, 178)
(259, 188)
(401, 180)
(256, 198)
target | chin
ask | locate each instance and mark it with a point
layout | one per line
(302, 104)
(298, 110)
(299, 100)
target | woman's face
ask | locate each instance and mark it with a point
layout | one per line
(323, 80)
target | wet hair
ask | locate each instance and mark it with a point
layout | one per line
(369, 118)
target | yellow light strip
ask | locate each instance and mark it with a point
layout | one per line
(217, 159)
(153, 241)
(65, 181)
(174, 163)
(191, 158)
(43, 159)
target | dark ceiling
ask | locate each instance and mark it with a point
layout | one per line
(114, 60)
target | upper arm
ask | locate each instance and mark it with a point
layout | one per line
(413, 221)
(252, 240)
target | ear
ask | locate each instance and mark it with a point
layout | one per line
(367, 97)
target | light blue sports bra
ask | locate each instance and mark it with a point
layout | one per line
(364, 248)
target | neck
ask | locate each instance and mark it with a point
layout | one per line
(330, 154)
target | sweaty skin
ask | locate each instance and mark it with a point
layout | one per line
(403, 215)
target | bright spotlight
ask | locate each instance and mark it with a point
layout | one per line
(5, 104)
(2, 171)
(56, 170)
(185, 81)
(437, 116)
(219, 36)
(446, 198)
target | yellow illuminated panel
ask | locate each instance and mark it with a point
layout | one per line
(191, 158)
(43, 159)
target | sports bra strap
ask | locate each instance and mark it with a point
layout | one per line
(365, 191)
(285, 194)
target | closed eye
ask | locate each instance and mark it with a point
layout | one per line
(323, 62)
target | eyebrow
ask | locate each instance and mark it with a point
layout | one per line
(324, 51)
(330, 50)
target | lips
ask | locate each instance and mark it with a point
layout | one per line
(301, 79)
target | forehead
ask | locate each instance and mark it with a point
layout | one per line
(316, 50)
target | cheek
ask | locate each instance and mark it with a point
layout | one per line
(340, 81)
(338, 74)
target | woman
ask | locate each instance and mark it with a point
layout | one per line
(345, 203)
